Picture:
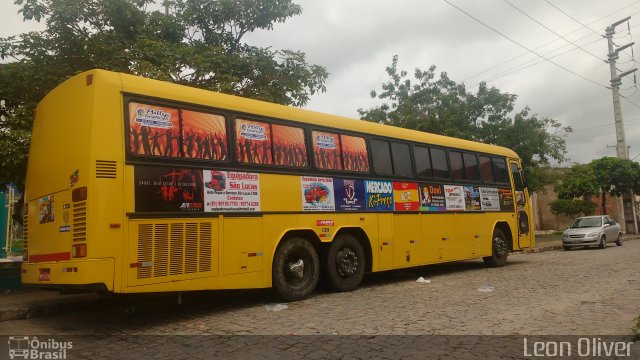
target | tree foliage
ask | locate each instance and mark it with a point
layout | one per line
(607, 175)
(434, 103)
(194, 42)
(572, 207)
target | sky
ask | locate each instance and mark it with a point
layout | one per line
(540, 51)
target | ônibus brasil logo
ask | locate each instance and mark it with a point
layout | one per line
(32, 348)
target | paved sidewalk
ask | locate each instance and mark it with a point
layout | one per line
(28, 303)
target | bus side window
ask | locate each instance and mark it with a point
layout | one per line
(519, 184)
(289, 146)
(401, 160)
(354, 153)
(471, 166)
(439, 162)
(422, 161)
(326, 150)
(381, 154)
(486, 169)
(457, 166)
(500, 170)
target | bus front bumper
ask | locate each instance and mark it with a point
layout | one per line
(92, 274)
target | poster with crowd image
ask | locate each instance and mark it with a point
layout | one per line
(432, 197)
(154, 130)
(354, 153)
(167, 189)
(289, 147)
(253, 142)
(203, 136)
(472, 198)
(326, 150)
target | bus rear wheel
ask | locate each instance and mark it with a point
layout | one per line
(499, 249)
(296, 269)
(345, 263)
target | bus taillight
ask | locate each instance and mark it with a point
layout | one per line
(79, 194)
(79, 250)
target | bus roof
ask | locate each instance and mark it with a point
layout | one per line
(171, 91)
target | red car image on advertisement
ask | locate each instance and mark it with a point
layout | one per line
(218, 181)
(315, 194)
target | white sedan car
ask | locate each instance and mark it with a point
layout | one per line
(592, 231)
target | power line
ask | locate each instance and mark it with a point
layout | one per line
(528, 64)
(552, 31)
(522, 46)
(552, 41)
(578, 21)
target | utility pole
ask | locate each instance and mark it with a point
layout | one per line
(628, 213)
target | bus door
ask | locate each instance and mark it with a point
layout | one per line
(522, 207)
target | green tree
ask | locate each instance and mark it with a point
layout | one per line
(572, 207)
(194, 42)
(578, 181)
(615, 176)
(434, 103)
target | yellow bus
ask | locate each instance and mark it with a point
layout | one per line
(137, 185)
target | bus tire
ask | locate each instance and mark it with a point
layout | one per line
(499, 249)
(345, 263)
(296, 269)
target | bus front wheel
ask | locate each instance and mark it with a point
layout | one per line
(296, 269)
(345, 263)
(499, 249)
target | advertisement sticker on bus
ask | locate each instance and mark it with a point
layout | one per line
(154, 130)
(349, 194)
(165, 189)
(454, 197)
(405, 195)
(472, 198)
(231, 191)
(46, 207)
(317, 194)
(489, 199)
(506, 199)
(379, 195)
(432, 198)
(204, 136)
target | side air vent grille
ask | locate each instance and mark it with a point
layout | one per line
(25, 233)
(106, 169)
(79, 230)
(174, 249)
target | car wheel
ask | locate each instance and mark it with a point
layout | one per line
(296, 269)
(499, 249)
(619, 241)
(603, 242)
(345, 263)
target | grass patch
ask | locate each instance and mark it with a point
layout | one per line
(636, 329)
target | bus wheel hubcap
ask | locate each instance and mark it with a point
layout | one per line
(296, 269)
(347, 262)
(500, 246)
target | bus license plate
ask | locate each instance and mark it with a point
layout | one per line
(44, 275)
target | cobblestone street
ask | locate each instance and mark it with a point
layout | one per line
(580, 292)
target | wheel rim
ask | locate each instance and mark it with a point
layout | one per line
(295, 269)
(500, 246)
(346, 262)
(603, 242)
(619, 239)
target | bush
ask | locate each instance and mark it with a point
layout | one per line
(573, 208)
